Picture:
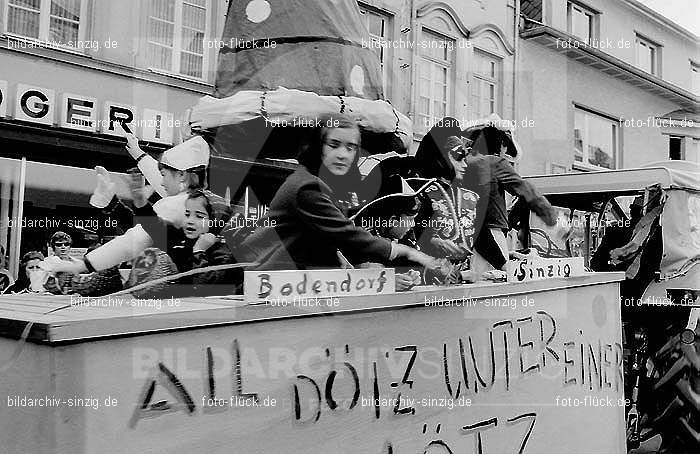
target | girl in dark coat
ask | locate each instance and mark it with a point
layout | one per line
(308, 215)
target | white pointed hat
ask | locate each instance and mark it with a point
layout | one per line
(188, 155)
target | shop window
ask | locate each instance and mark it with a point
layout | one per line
(595, 139)
(580, 21)
(647, 56)
(434, 75)
(57, 22)
(675, 148)
(378, 26)
(486, 85)
(176, 31)
(38, 199)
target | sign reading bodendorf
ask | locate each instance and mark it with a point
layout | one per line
(297, 285)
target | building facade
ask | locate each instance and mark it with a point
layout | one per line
(443, 58)
(70, 69)
(607, 84)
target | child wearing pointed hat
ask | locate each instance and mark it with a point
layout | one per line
(180, 169)
(392, 215)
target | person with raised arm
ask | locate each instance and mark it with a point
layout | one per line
(181, 168)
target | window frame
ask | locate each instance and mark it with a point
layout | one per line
(682, 140)
(617, 142)
(655, 55)
(45, 26)
(482, 80)
(387, 54)
(177, 49)
(592, 14)
(695, 78)
(448, 65)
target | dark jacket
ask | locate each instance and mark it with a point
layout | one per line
(211, 282)
(490, 177)
(306, 228)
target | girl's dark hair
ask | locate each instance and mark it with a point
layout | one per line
(199, 194)
(218, 209)
(195, 178)
(431, 157)
(311, 152)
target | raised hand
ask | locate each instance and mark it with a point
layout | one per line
(105, 190)
(132, 143)
(204, 242)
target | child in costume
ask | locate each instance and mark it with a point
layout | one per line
(181, 168)
(392, 215)
(206, 214)
(446, 227)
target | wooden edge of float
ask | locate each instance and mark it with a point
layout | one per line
(63, 327)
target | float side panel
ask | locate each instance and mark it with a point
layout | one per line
(325, 375)
(29, 404)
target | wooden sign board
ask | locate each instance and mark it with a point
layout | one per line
(536, 268)
(297, 287)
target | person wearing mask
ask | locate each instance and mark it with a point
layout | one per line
(308, 222)
(445, 224)
(31, 276)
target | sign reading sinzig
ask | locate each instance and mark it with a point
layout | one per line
(264, 286)
(536, 268)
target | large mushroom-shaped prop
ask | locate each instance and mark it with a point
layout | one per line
(283, 64)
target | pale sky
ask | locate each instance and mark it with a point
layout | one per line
(685, 13)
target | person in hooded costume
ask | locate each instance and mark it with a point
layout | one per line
(445, 224)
